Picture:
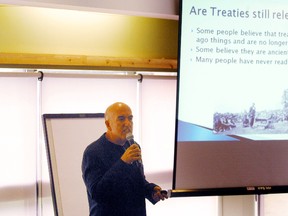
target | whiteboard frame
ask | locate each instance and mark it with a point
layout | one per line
(54, 142)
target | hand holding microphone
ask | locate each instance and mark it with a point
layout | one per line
(133, 153)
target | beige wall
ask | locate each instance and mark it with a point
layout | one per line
(149, 8)
(52, 36)
(59, 31)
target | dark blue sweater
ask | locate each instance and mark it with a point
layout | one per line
(114, 188)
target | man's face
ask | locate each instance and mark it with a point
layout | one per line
(120, 123)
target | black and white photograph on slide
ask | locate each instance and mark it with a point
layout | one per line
(253, 121)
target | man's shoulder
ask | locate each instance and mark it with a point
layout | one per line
(95, 145)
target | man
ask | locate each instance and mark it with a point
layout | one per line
(252, 114)
(112, 172)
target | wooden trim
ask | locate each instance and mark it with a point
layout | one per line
(83, 75)
(37, 61)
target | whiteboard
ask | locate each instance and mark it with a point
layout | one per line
(67, 136)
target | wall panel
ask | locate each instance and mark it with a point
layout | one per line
(18, 146)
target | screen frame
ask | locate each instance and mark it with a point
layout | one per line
(174, 192)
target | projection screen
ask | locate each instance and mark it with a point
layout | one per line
(232, 105)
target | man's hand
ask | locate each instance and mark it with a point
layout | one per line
(157, 195)
(133, 153)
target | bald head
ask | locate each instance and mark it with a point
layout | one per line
(119, 122)
(114, 108)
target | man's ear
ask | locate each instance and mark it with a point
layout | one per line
(107, 125)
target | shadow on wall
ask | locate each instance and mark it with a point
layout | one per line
(163, 178)
(23, 192)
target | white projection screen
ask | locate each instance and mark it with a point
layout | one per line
(67, 136)
(232, 104)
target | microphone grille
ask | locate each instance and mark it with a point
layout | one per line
(129, 136)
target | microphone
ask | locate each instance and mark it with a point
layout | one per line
(130, 139)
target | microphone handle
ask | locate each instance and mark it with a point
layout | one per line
(131, 142)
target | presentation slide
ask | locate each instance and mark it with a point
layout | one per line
(232, 117)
